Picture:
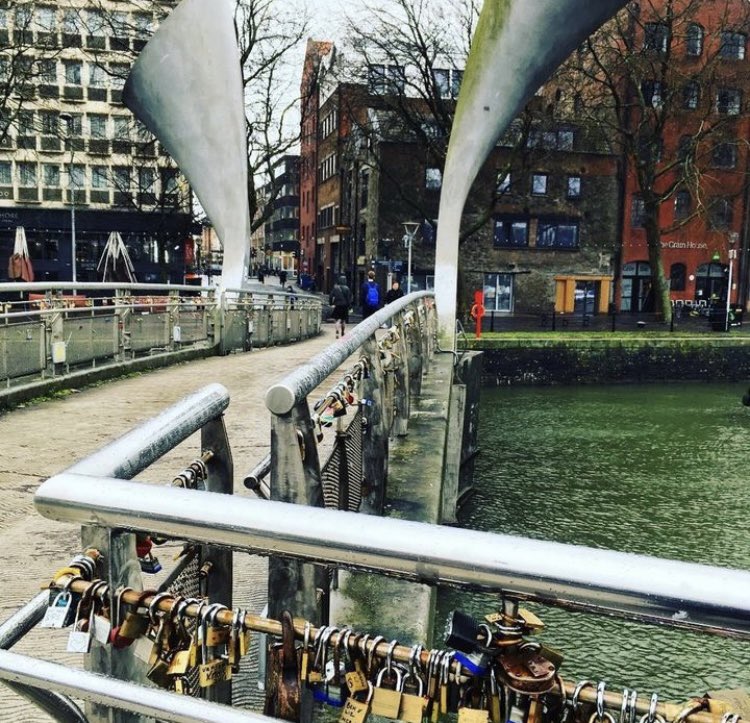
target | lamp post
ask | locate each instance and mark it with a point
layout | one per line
(732, 257)
(410, 231)
(68, 119)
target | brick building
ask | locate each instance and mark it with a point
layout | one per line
(545, 206)
(682, 100)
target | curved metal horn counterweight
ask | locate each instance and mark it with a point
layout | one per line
(186, 88)
(517, 45)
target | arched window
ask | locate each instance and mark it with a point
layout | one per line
(694, 40)
(677, 273)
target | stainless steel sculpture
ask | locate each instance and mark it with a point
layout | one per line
(186, 88)
(518, 43)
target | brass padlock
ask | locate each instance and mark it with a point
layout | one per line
(387, 702)
(412, 706)
(356, 711)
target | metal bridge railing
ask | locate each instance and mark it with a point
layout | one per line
(97, 494)
(50, 330)
(369, 404)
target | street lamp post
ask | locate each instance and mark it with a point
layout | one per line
(410, 229)
(68, 119)
(732, 257)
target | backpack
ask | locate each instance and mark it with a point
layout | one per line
(340, 295)
(373, 294)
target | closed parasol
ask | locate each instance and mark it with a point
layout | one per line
(19, 264)
(115, 263)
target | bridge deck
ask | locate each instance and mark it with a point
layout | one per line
(41, 439)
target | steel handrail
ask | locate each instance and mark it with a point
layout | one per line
(636, 587)
(130, 454)
(294, 388)
(103, 690)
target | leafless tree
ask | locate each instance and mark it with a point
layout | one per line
(663, 86)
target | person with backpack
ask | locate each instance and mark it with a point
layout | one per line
(341, 300)
(370, 295)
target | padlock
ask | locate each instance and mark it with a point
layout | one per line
(387, 702)
(469, 714)
(356, 711)
(79, 639)
(461, 632)
(149, 564)
(60, 613)
(412, 705)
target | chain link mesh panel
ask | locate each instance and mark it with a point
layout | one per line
(341, 475)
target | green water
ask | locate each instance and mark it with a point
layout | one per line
(658, 470)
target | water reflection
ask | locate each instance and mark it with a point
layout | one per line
(658, 470)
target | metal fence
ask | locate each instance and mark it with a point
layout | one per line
(685, 318)
(48, 331)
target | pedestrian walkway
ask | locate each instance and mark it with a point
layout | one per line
(41, 439)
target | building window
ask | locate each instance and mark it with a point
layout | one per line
(573, 187)
(146, 179)
(50, 123)
(99, 177)
(650, 150)
(732, 45)
(73, 72)
(694, 40)
(44, 19)
(382, 79)
(561, 235)
(97, 76)
(433, 178)
(728, 101)
(51, 175)
(498, 292)
(653, 93)
(447, 82)
(144, 25)
(77, 175)
(118, 73)
(95, 23)
(122, 128)
(98, 126)
(328, 167)
(683, 204)
(47, 71)
(562, 139)
(539, 184)
(329, 124)
(26, 123)
(637, 212)
(71, 22)
(677, 274)
(721, 213)
(503, 183)
(6, 177)
(724, 155)
(511, 233)
(691, 93)
(121, 177)
(27, 175)
(655, 37)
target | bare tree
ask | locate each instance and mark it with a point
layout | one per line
(268, 33)
(27, 57)
(656, 80)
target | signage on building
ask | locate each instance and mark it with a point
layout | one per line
(683, 245)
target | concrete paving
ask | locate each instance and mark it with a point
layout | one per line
(44, 438)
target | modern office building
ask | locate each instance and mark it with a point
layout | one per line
(74, 164)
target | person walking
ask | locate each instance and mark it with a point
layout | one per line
(370, 295)
(395, 292)
(341, 300)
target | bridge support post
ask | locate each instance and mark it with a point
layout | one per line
(295, 477)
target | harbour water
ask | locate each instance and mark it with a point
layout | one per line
(657, 470)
